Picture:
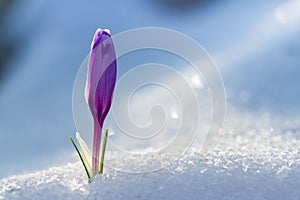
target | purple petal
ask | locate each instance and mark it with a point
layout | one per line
(100, 85)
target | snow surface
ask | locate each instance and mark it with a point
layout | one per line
(258, 157)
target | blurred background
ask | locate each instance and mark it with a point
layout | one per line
(255, 44)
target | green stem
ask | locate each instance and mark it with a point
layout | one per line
(85, 167)
(103, 152)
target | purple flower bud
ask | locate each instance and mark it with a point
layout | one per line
(101, 79)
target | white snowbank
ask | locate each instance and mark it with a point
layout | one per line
(257, 160)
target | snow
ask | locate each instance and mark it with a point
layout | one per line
(258, 157)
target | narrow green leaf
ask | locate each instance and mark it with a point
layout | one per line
(103, 152)
(85, 167)
(85, 153)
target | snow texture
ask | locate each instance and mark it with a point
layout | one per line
(257, 160)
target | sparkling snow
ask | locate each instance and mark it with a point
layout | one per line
(258, 157)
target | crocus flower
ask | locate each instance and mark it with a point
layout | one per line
(101, 79)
